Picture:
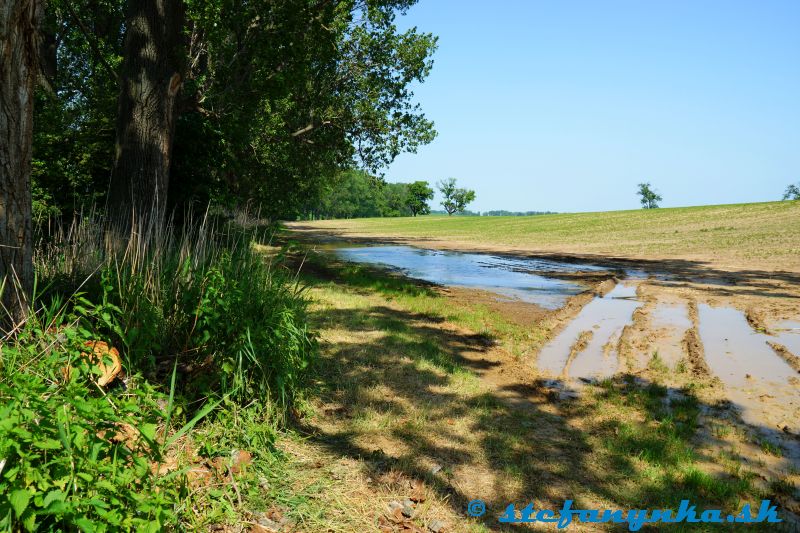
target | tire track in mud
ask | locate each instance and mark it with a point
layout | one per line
(627, 344)
(784, 353)
(561, 318)
(693, 345)
(577, 347)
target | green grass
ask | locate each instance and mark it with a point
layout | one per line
(213, 341)
(757, 234)
(393, 366)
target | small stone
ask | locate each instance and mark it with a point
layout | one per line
(436, 526)
(394, 504)
(267, 524)
(436, 469)
(748, 376)
(568, 395)
(783, 426)
(408, 503)
(408, 512)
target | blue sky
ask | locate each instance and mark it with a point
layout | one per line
(566, 105)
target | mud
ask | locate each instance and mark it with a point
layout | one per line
(737, 334)
(605, 317)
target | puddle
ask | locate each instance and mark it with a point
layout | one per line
(735, 351)
(669, 322)
(509, 277)
(605, 317)
(787, 333)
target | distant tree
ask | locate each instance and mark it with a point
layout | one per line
(792, 192)
(395, 200)
(455, 199)
(353, 194)
(649, 197)
(505, 213)
(419, 194)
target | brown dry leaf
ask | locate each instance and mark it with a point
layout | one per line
(101, 353)
(198, 476)
(417, 491)
(126, 434)
(241, 459)
(100, 356)
(396, 516)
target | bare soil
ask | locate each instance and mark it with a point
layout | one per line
(454, 457)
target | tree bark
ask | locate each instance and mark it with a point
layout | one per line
(19, 25)
(151, 76)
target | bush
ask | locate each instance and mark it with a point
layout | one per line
(70, 457)
(198, 318)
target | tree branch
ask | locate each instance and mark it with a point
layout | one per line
(92, 42)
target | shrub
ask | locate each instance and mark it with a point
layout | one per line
(196, 316)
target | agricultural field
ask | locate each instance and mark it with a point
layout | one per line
(760, 235)
(499, 351)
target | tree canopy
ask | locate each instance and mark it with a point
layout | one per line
(419, 194)
(455, 199)
(272, 99)
(792, 192)
(148, 107)
(648, 196)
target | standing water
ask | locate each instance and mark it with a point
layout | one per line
(602, 320)
(519, 278)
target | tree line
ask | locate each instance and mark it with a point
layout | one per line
(148, 107)
(357, 194)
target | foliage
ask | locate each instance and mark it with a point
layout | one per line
(63, 466)
(356, 194)
(198, 315)
(352, 194)
(455, 199)
(792, 192)
(70, 454)
(73, 142)
(504, 213)
(277, 99)
(419, 194)
(204, 299)
(649, 197)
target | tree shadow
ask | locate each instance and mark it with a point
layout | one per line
(519, 440)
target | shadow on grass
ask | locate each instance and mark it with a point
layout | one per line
(628, 442)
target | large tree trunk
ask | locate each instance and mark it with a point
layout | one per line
(19, 24)
(151, 76)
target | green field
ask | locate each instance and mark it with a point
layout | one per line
(758, 235)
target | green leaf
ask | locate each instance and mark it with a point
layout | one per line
(30, 522)
(19, 500)
(148, 431)
(48, 444)
(85, 524)
(53, 496)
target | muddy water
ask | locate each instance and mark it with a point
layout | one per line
(510, 277)
(605, 318)
(787, 333)
(755, 377)
(669, 323)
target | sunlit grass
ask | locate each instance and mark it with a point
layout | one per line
(756, 234)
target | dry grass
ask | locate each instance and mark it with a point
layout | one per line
(419, 389)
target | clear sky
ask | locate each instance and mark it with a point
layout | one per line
(566, 105)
